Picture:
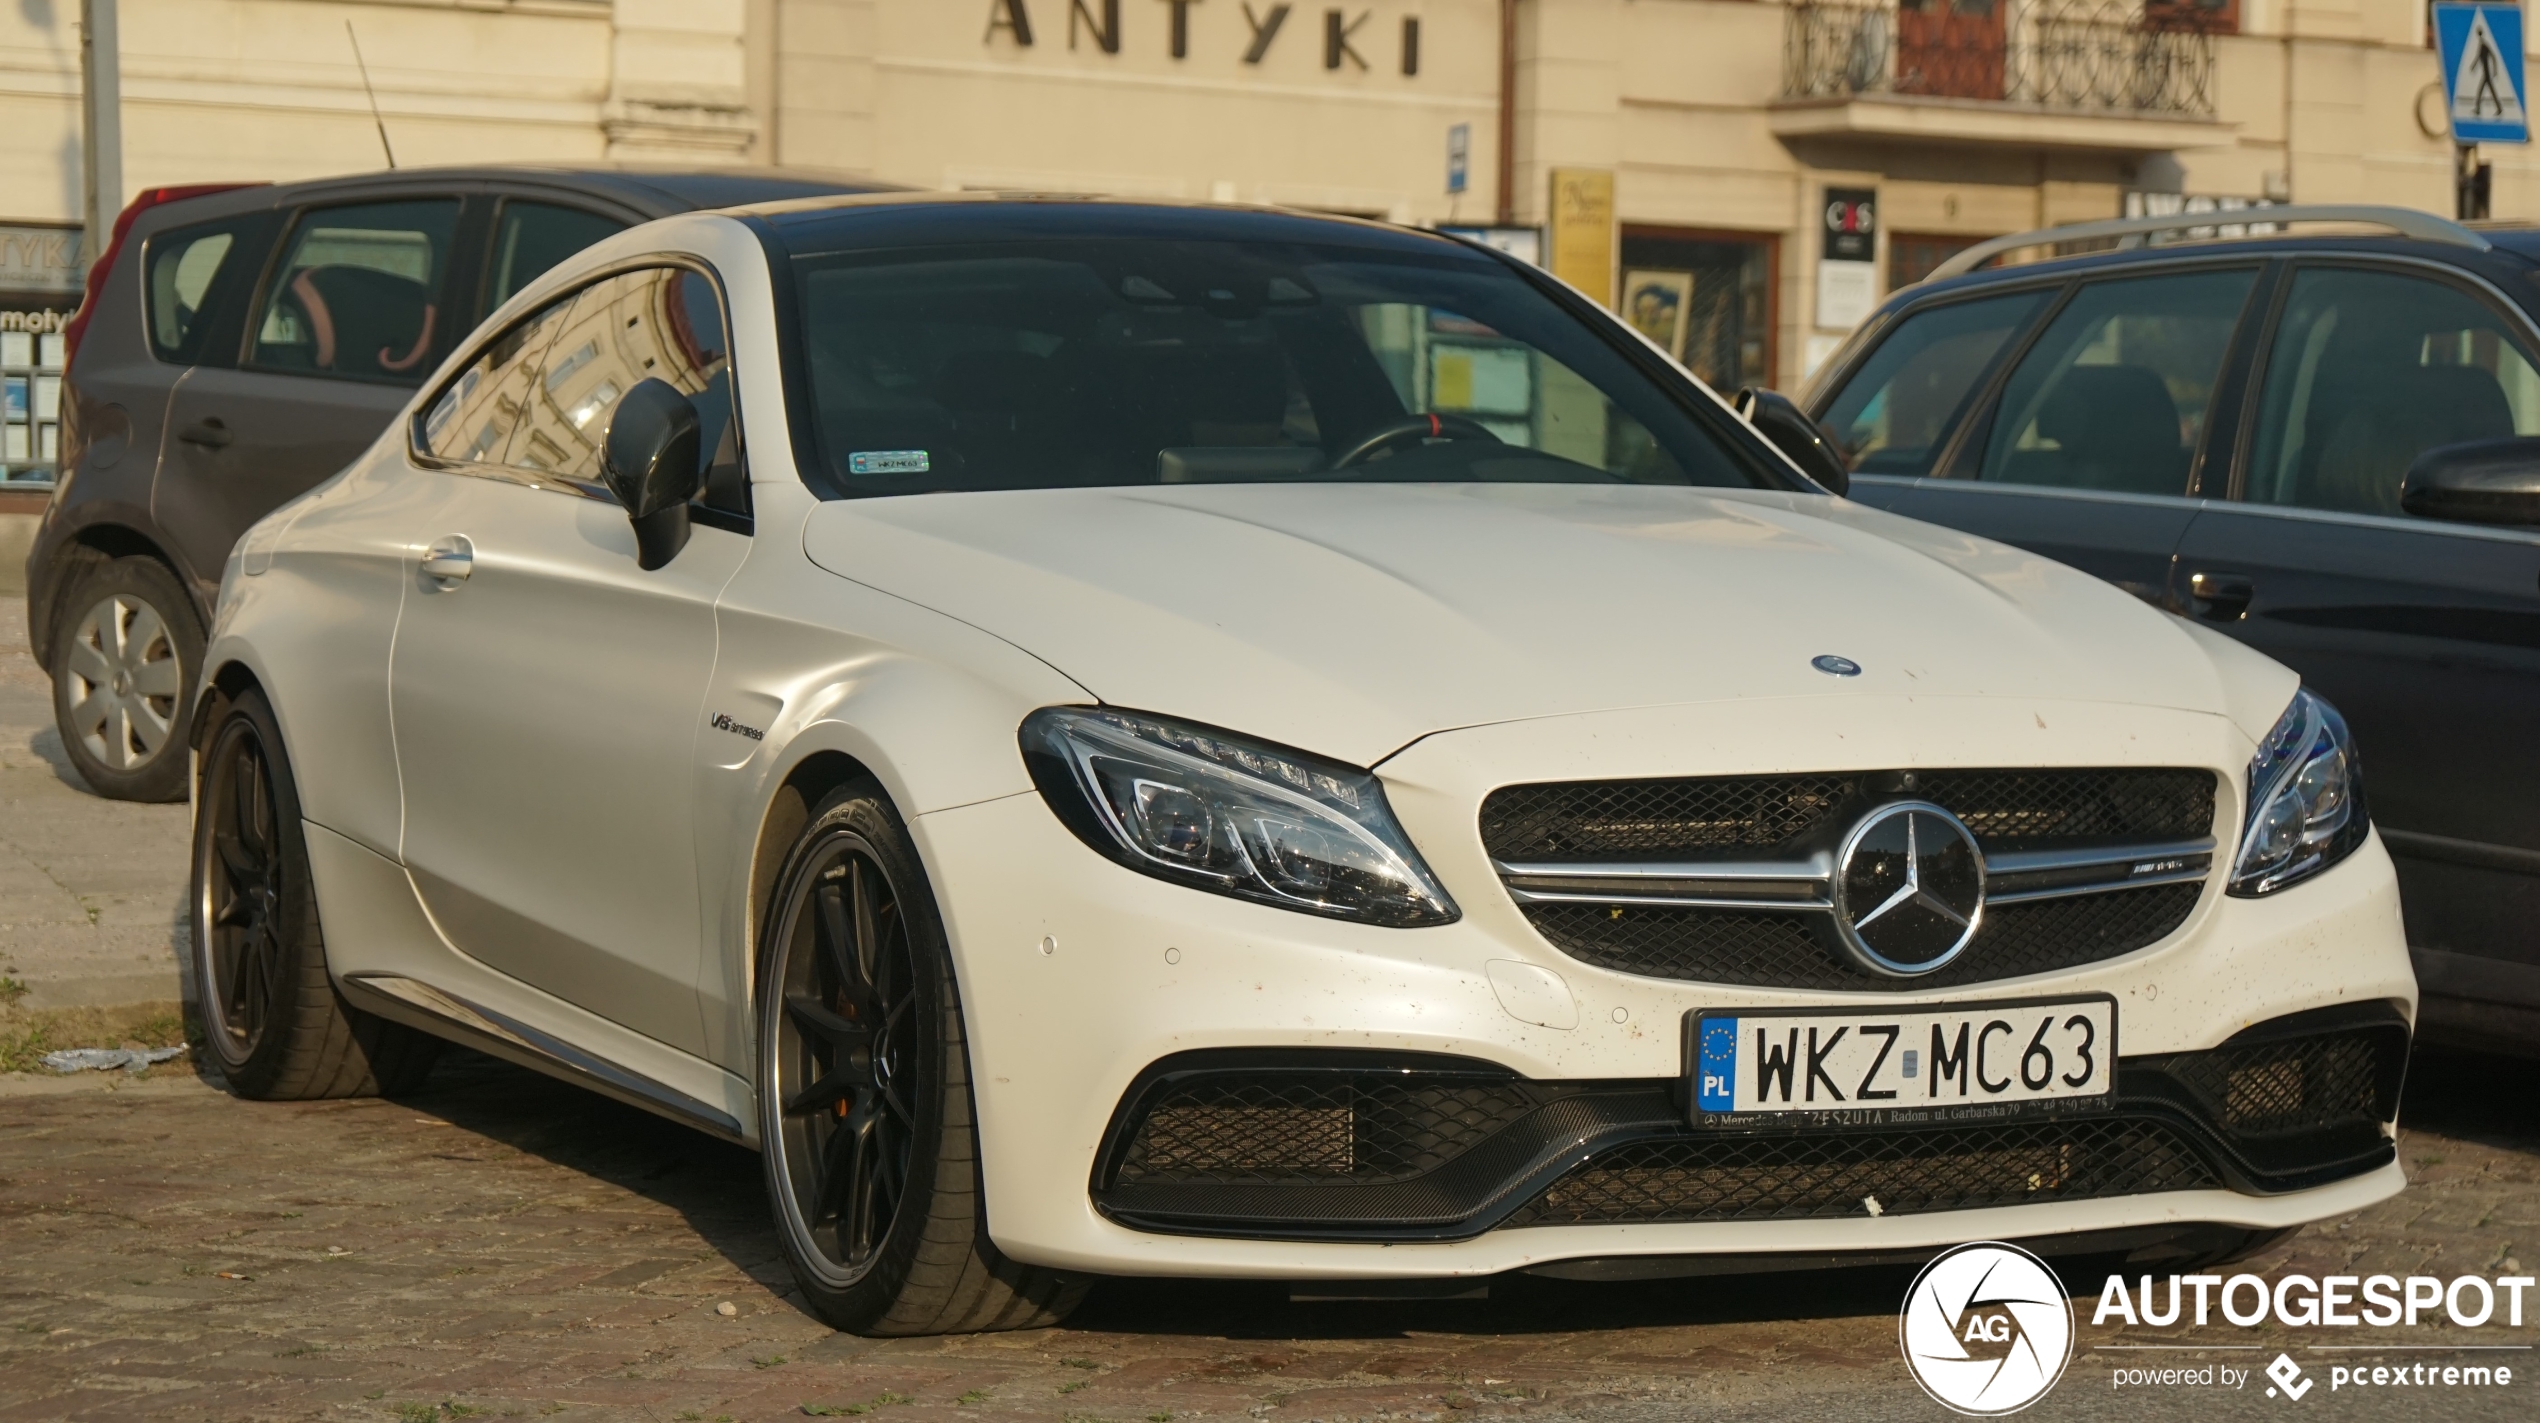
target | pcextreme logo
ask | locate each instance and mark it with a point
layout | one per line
(1986, 1329)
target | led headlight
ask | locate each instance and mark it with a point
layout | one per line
(2306, 800)
(1217, 812)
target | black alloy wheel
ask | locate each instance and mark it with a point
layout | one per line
(847, 1044)
(273, 1024)
(865, 1115)
(242, 892)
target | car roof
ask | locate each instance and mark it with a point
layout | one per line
(2513, 248)
(645, 191)
(837, 224)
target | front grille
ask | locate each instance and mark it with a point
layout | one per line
(1728, 820)
(1368, 1128)
(1656, 820)
(2025, 810)
(1695, 818)
(1779, 950)
(1904, 1173)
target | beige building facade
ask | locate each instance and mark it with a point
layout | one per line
(1740, 176)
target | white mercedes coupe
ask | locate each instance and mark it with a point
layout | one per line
(1133, 739)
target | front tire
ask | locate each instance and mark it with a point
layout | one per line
(864, 1094)
(272, 1019)
(125, 657)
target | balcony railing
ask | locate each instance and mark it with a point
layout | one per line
(2083, 56)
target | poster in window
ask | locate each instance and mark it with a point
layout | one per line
(1658, 305)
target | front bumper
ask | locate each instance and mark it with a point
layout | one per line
(1343, 1146)
(1078, 977)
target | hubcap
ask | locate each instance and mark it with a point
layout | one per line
(845, 1044)
(123, 682)
(241, 879)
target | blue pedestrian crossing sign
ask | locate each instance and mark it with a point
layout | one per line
(2481, 49)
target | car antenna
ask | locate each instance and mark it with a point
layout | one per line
(373, 93)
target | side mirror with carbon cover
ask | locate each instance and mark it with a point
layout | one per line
(1777, 419)
(648, 459)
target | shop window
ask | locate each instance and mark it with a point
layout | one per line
(1720, 289)
(1912, 256)
(30, 396)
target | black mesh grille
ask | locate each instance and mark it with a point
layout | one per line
(1784, 1177)
(2026, 809)
(1694, 818)
(1656, 820)
(1776, 950)
(2295, 1085)
(1369, 1128)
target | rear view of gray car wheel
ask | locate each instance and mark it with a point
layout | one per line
(125, 656)
(272, 1020)
(864, 1091)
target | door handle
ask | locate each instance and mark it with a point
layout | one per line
(2221, 597)
(208, 432)
(451, 558)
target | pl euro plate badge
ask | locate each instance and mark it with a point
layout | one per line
(1926, 1064)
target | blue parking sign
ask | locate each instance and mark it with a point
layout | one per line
(2481, 51)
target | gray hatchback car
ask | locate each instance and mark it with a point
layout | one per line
(236, 346)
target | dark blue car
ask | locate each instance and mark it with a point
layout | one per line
(2326, 446)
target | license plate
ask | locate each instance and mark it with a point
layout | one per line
(1980, 1062)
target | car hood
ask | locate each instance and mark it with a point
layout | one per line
(1353, 619)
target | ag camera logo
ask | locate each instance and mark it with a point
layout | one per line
(1986, 1329)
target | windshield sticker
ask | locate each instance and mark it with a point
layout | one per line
(888, 462)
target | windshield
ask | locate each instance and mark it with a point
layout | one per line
(1044, 365)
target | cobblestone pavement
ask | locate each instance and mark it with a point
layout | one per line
(499, 1245)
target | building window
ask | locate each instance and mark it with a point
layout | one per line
(1912, 256)
(30, 395)
(1728, 309)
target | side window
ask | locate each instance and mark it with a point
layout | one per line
(479, 411)
(359, 292)
(662, 323)
(1894, 414)
(186, 271)
(2113, 394)
(2370, 369)
(531, 237)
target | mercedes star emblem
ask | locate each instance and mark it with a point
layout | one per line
(1908, 889)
